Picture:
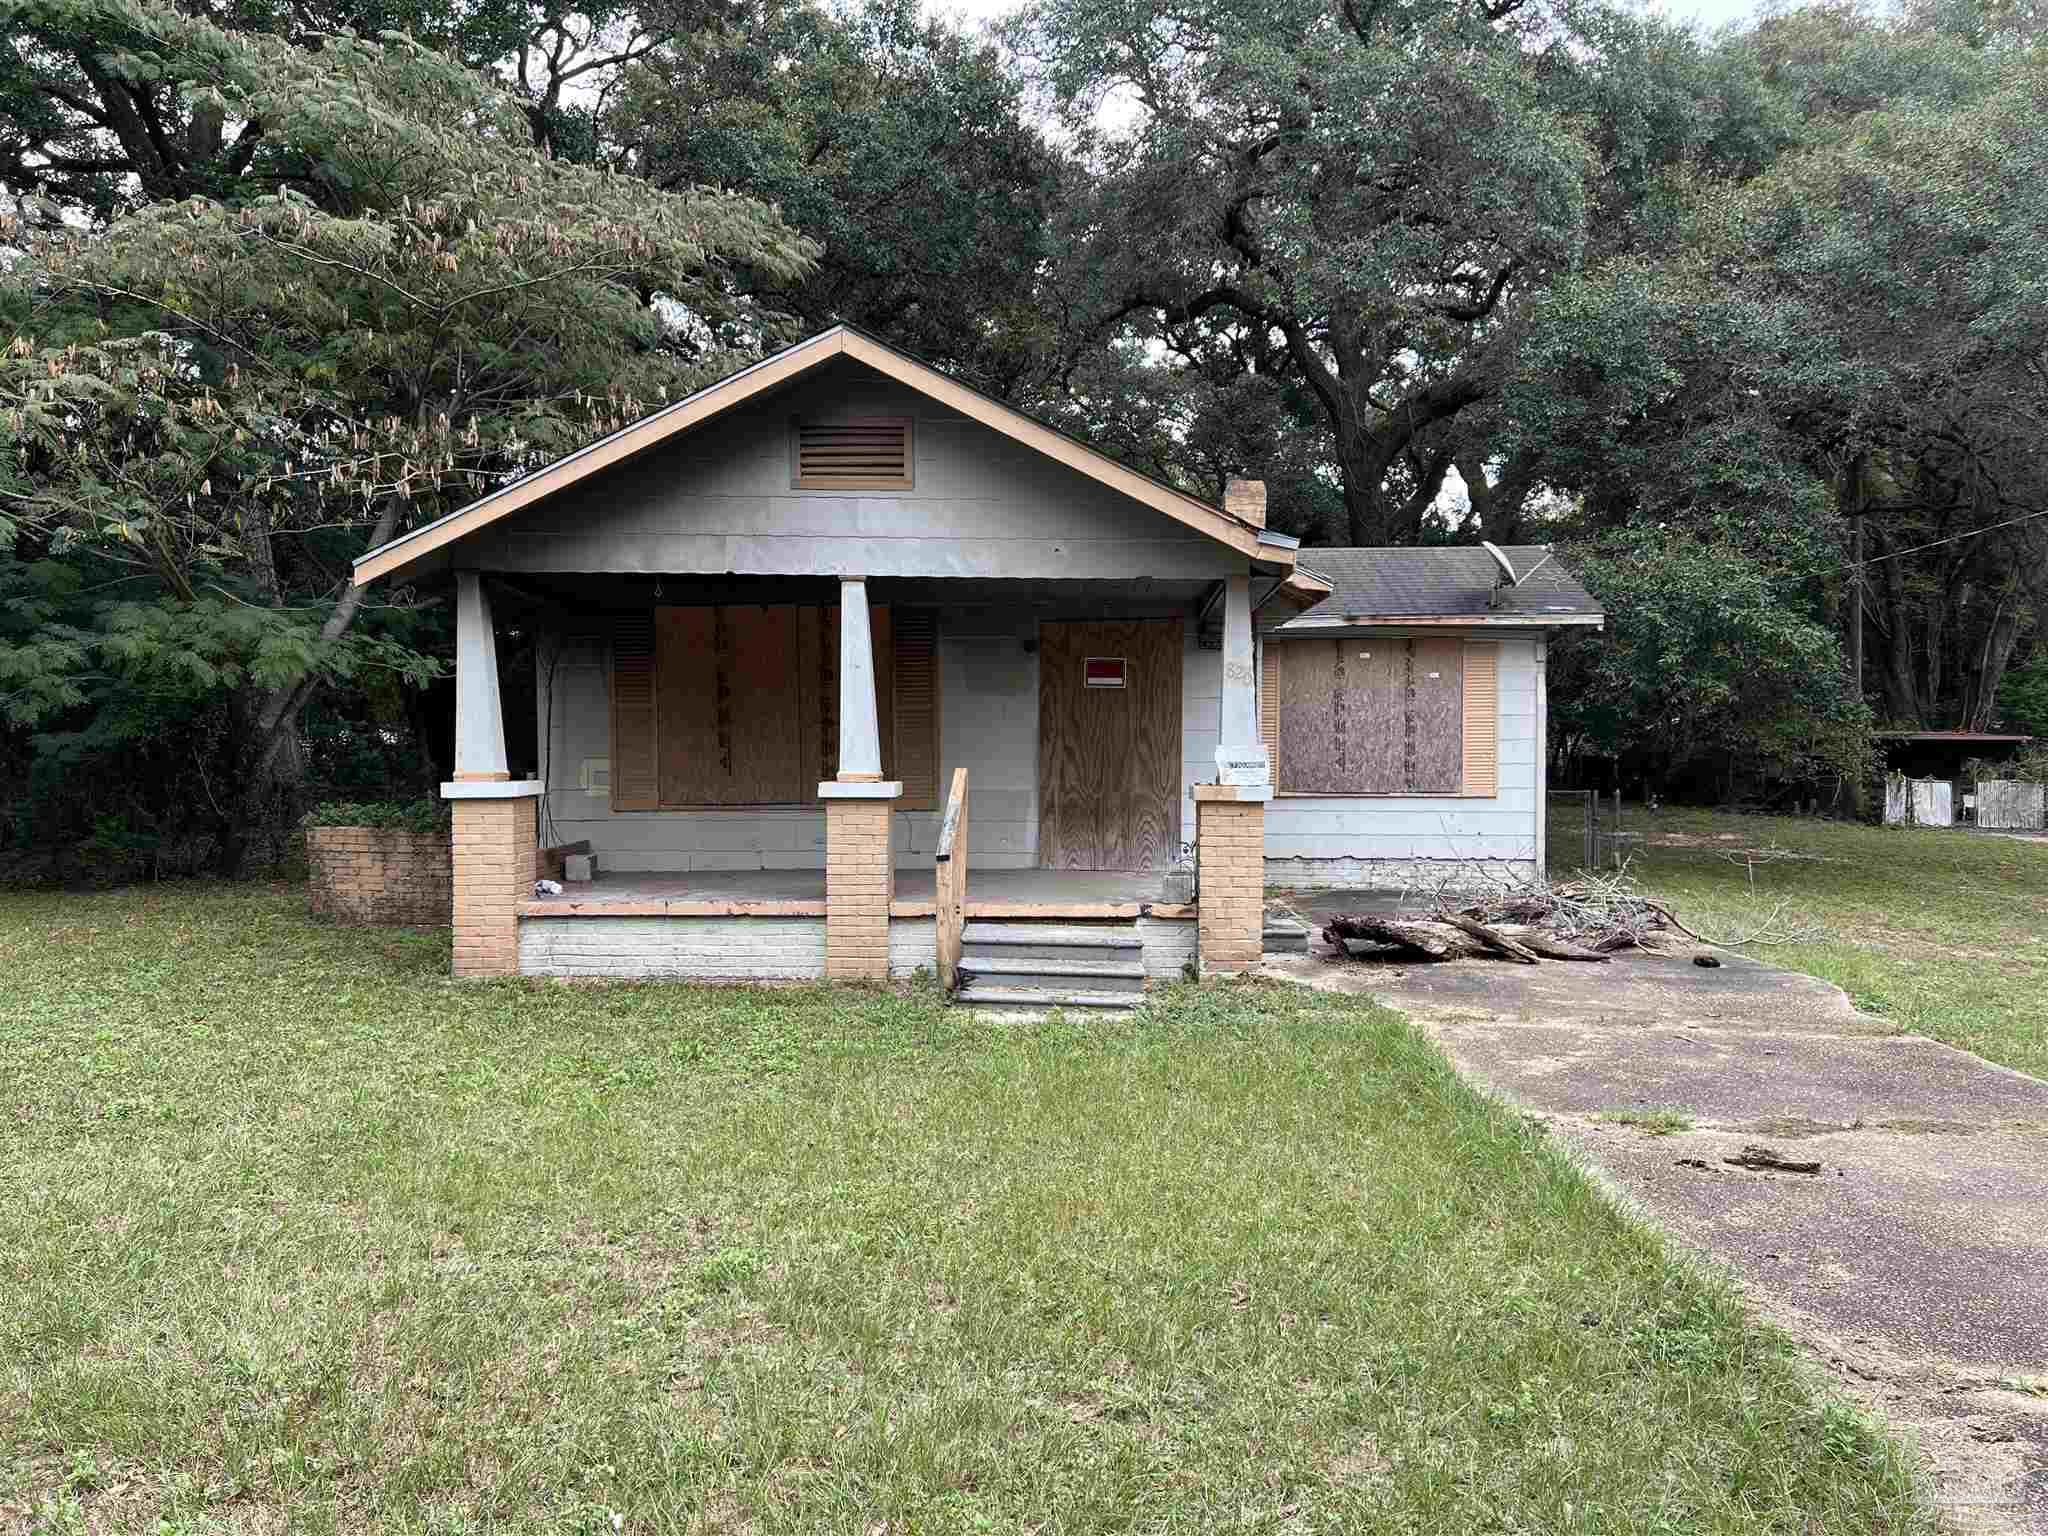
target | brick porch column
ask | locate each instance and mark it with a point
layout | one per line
(860, 881)
(494, 854)
(860, 864)
(1230, 896)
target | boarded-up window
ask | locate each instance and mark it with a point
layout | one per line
(739, 705)
(867, 453)
(1374, 716)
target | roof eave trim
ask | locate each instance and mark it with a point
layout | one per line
(1451, 621)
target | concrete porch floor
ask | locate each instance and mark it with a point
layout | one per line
(801, 893)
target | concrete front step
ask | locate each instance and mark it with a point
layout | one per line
(1284, 938)
(1098, 975)
(1052, 935)
(1043, 999)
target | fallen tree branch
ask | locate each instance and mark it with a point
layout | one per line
(1764, 1158)
(1770, 930)
(1550, 947)
(1489, 937)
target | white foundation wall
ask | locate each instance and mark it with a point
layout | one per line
(709, 948)
(988, 691)
(1171, 946)
(913, 947)
(1390, 842)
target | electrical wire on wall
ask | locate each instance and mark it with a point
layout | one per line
(550, 834)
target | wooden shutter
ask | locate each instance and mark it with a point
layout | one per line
(1482, 718)
(635, 770)
(1269, 704)
(871, 453)
(916, 689)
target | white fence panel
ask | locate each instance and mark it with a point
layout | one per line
(1918, 802)
(1934, 803)
(2011, 804)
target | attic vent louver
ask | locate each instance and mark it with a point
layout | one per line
(870, 453)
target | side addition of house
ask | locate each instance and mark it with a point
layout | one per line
(1405, 715)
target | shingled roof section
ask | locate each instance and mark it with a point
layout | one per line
(1441, 585)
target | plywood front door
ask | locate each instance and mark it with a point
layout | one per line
(1109, 757)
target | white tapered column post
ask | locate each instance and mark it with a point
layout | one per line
(479, 716)
(860, 863)
(860, 734)
(1240, 754)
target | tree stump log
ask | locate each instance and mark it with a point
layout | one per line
(1433, 941)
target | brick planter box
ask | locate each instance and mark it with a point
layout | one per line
(378, 876)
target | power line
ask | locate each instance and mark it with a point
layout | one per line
(1953, 539)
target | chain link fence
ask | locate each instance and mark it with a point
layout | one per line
(1584, 830)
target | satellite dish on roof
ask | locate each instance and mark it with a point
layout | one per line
(1507, 568)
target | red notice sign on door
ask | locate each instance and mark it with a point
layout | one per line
(1103, 671)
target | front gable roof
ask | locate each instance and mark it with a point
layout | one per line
(408, 550)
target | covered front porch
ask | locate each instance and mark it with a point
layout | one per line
(1092, 807)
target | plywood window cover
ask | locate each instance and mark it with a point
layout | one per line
(852, 453)
(1269, 652)
(891, 704)
(793, 362)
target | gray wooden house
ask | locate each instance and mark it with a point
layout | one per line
(849, 670)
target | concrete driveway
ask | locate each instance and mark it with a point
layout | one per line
(1914, 1264)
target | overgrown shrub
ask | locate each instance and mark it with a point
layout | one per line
(427, 816)
(2028, 767)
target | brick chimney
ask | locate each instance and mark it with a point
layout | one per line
(1246, 499)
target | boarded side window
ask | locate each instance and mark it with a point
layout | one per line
(738, 705)
(1373, 716)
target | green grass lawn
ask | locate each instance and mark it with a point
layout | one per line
(295, 1233)
(1941, 930)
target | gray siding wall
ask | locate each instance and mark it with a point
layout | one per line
(719, 500)
(1391, 841)
(988, 684)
